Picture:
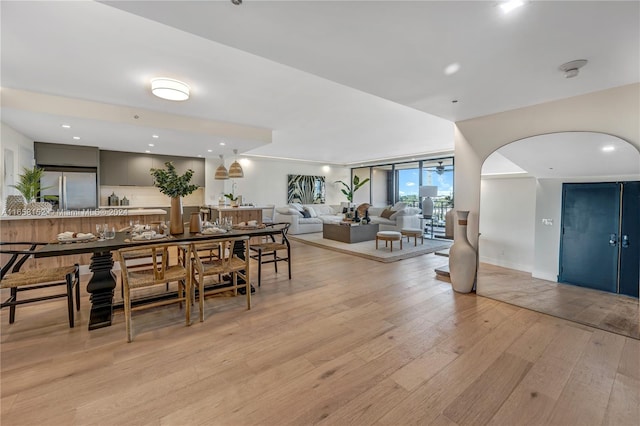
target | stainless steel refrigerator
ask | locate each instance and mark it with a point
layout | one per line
(70, 189)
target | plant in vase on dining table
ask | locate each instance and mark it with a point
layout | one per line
(175, 186)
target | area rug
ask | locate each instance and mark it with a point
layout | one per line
(367, 249)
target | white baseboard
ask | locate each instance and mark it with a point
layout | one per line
(506, 264)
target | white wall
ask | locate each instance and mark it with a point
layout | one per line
(547, 237)
(379, 182)
(265, 180)
(507, 222)
(21, 148)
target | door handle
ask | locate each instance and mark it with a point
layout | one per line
(613, 240)
(625, 241)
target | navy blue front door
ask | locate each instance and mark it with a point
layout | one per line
(589, 238)
(630, 239)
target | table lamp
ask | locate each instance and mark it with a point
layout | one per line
(427, 192)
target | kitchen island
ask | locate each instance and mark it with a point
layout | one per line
(46, 228)
(236, 214)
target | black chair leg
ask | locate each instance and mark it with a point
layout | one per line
(78, 289)
(70, 280)
(275, 260)
(259, 267)
(289, 261)
(12, 308)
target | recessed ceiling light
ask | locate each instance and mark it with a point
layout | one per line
(147, 151)
(209, 150)
(510, 5)
(151, 144)
(77, 138)
(608, 148)
(66, 126)
(452, 68)
(169, 89)
(199, 155)
(222, 144)
(155, 136)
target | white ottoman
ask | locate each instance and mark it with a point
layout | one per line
(415, 233)
(389, 236)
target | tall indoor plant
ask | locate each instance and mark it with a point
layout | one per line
(349, 190)
(176, 187)
(29, 186)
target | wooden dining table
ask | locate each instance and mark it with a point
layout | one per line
(103, 280)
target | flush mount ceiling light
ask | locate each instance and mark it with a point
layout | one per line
(571, 69)
(235, 169)
(508, 6)
(170, 89)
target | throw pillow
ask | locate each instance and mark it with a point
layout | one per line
(297, 206)
(399, 206)
(293, 212)
(312, 212)
(386, 213)
(305, 213)
(362, 208)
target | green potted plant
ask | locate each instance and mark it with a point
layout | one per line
(349, 190)
(174, 186)
(29, 186)
(233, 200)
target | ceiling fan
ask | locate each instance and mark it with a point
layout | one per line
(439, 168)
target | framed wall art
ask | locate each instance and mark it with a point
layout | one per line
(305, 189)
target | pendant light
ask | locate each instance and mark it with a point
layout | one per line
(221, 171)
(235, 169)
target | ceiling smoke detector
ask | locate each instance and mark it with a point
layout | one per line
(571, 69)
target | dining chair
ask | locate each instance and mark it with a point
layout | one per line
(267, 251)
(159, 273)
(218, 259)
(17, 254)
(268, 212)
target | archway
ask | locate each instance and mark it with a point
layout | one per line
(519, 223)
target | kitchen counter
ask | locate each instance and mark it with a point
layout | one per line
(107, 212)
(236, 214)
(46, 228)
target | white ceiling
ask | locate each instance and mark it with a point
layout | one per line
(565, 155)
(336, 82)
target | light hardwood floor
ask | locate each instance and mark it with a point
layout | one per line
(348, 341)
(607, 311)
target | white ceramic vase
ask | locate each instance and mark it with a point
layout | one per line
(462, 258)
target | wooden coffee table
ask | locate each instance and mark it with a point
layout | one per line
(350, 234)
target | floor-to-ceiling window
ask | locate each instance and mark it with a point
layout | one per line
(408, 183)
(401, 181)
(439, 172)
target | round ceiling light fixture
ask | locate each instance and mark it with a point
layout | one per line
(571, 69)
(170, 89)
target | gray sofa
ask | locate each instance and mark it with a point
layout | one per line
(403, 217)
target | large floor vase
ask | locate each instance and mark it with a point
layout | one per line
(176, 225)
(462, 258)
